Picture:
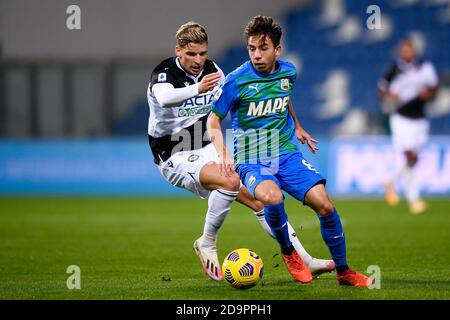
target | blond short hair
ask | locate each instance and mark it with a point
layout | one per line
(191, 32)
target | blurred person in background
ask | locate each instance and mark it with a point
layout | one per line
(179, 97)
(405, 89)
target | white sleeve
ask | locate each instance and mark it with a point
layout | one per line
(168, 96)
(431, 77)
(222, 75)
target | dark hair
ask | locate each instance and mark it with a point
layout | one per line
(262, 25)
(406, 40)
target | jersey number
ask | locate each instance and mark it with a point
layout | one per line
(309, 166)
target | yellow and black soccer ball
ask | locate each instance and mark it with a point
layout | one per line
(242, 268)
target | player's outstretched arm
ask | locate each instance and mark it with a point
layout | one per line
(214, 126)
(302, 135)
(168, 96)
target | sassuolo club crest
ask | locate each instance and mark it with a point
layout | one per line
(285, 84)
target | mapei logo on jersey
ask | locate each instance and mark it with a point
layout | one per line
(284, 84)
(162, 77)
(268, 106)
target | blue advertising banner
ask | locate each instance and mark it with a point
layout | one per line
(354, 167)
(85, 167)
(359, 167)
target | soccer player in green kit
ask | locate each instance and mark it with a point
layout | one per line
(267, 153)
(179, 98)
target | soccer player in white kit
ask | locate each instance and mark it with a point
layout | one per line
(408, 85)
(179, 97)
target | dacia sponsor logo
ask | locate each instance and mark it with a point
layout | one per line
(200, 100)
(269, 106)
(198, 105)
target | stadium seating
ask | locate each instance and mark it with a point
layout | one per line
(342, 60)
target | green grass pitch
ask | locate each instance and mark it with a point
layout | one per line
(128, 248)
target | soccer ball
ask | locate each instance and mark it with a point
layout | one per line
(242, 268)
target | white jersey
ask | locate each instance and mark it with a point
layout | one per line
(407, 80)
(180, 110)
(175, 104)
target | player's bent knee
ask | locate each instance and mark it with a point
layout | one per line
(231, 183)
(412, 162)
(411, 158)
(325, 208)
(272, 198)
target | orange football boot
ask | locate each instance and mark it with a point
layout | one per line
(297, 268)
(418, 207)
(354, 279)
(390, 194)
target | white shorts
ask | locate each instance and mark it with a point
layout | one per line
(183, 168)
(409, 134)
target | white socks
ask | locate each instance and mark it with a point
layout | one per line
(219, 205)
(292, 236)
(411, 190)
(262, 220)
(298, 246)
